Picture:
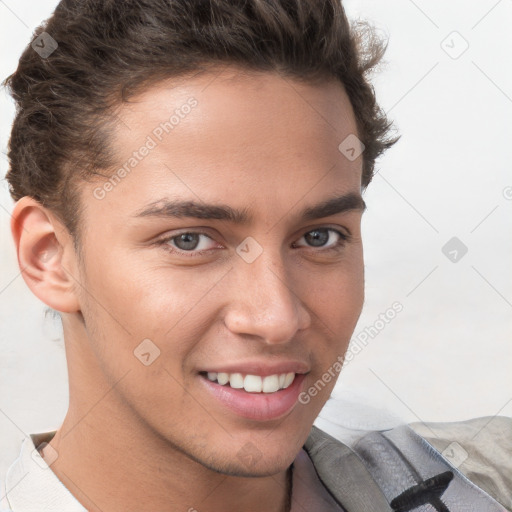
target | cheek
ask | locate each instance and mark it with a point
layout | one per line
(336, 301)
(126, 301)
(130, 312)
(337, 295)
(140, 295)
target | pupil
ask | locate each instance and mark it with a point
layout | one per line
(320, 235)
(187, 239)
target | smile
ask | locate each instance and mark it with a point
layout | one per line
(256, 397)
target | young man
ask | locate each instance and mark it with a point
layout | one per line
(188, 180)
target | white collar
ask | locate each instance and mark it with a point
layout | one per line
(30, 484)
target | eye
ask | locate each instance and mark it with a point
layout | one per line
(187, 242)
(320, 236)
(194, 243)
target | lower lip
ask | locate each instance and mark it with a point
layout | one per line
(257, 406)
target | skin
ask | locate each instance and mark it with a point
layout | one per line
(256, 141)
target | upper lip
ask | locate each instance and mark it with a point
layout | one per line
(261, 368)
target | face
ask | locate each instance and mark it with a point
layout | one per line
(220, 267)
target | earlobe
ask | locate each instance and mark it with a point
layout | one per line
(45, 255)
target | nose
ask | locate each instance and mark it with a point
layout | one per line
(266, 304)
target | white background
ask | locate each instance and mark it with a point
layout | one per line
(448, 355)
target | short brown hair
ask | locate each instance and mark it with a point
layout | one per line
(109, 49)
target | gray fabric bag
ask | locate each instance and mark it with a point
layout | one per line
(393, 470)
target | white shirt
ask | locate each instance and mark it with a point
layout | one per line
(31, 485)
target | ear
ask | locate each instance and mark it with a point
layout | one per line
(46, 255)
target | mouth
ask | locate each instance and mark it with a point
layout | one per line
(254, 397)
(252, 383)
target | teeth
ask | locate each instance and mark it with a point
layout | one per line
(253, 383)
(289, 379)
(222, 378)
(270, 384)
(236, 380)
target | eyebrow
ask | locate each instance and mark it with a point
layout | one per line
(191, 209)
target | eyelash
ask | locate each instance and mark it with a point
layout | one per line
(164, 242)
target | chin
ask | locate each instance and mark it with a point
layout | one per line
(260, 466)
(256, 456)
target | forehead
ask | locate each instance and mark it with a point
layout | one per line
(236, 105)
(225, 133)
